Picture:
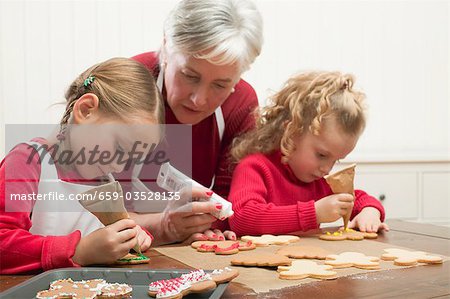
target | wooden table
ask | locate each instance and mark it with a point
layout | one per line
(431, 281)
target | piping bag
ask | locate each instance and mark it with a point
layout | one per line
(342, 182)
(110, 210)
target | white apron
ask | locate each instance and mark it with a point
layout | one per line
(60, 217)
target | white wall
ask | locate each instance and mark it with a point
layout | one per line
(398, 50)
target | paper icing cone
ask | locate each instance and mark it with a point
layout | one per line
(110, 210)
(342, 182)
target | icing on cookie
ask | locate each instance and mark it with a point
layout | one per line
(196, 281)
(233, 246)
(196, 276)
(168, 291)
(137, 257)
(220, 271)
(89, 289)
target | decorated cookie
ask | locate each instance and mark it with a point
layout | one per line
(70, 288)
(196, 281)
(334, 236)
(115, 290)
(303, 268)
(132, 259)
(261, 260)
(347, 234)
(266, 240)
(304, 252)
(168, 287)
(353, 259)
(403, 257)
(223, 247)
(95, 288)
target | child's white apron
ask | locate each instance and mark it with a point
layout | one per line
(60, 217)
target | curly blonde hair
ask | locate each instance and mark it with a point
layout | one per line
(303, 104)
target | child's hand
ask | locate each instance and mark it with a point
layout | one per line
(368, 220)
(143, 239)
(107, 244)
(332, 207)
(210, 235)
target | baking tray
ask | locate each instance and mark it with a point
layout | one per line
(137, 279)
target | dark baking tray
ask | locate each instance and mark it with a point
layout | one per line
(138, 279)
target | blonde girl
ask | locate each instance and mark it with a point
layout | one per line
(278, 185)
(110, 107)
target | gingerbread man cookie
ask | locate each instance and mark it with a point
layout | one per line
(260, 260)
(89, 289)
(196, 281)
(304, 252)
(266, 240)
(353, 259)
(303, 268)
(403, 257)
(347, 234)
(133, 259)
(223, 247)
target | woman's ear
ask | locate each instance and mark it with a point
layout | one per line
(86, 109)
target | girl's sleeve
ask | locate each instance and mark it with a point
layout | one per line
(254, 215)
(364, 200)
(20, 250)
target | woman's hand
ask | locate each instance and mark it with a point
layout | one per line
(211, 235)
(189, 215)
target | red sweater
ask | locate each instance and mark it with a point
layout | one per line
(209, 155)
(268, 199)
(20, 250)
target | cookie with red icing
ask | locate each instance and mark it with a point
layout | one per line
(223, 247)
(196, 281)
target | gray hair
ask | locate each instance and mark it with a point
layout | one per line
(220, 31)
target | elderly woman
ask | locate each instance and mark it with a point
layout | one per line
(207, 46)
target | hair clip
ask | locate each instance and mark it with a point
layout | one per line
(88, 81)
